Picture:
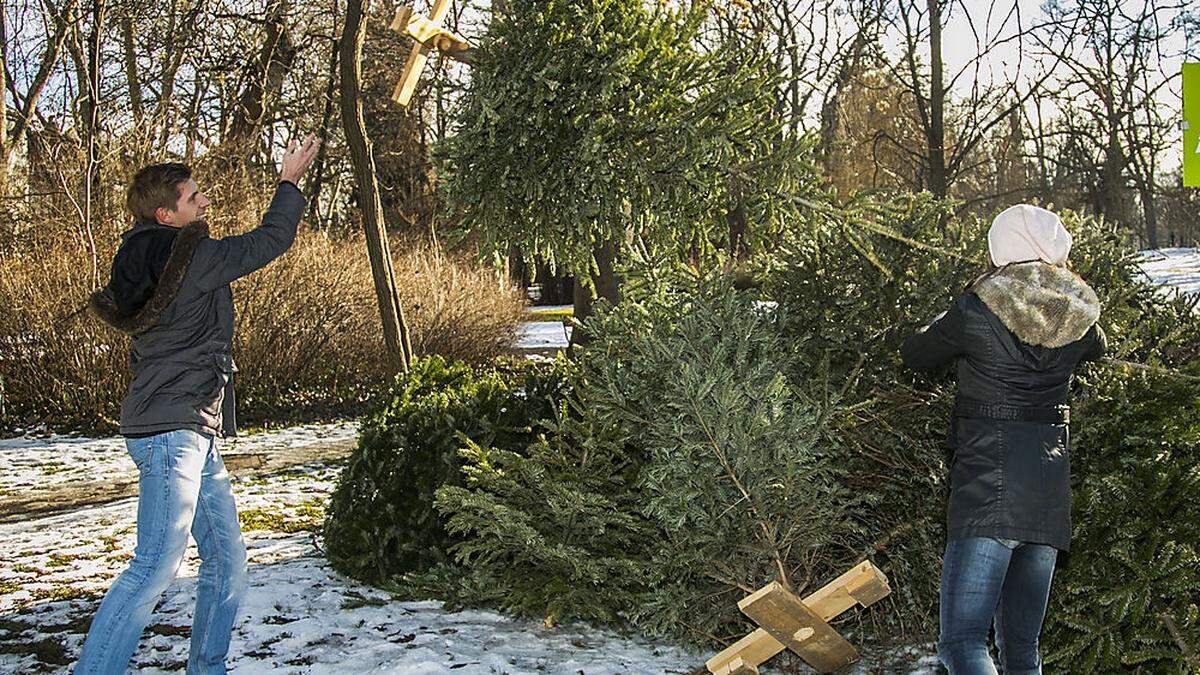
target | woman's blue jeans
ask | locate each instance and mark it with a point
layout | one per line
(183, 485)
(988, 581)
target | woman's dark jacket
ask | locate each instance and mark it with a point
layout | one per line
(1016, 338)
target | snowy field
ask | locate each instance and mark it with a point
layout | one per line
(1176, 270)
(30, 462)
(540, 336)
(299, 616)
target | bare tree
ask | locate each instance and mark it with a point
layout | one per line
(91, 118)
(1113, 72)
(264, 78)
(956, 120)
(25, 103)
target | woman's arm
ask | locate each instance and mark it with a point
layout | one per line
(1099, 346)
(937, 344)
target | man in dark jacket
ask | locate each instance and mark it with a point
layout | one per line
(170, 291)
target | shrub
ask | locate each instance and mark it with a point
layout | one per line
(707, 446)
(1129, 592)
(380, 520)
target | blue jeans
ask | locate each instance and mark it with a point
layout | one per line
(183, 485)
(988, 581)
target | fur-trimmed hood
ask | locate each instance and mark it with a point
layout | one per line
(1043, 305)
(106, 304)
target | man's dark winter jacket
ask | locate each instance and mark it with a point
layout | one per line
(1016, 338)
(170, 290)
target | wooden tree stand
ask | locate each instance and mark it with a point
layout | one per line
(427, 35)
(787, 622)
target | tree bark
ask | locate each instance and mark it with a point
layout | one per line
(850, 68)
(735, 221)
(1149, 215)
(181, 39)
(319, 170)
(936, 133)
(132, 79)
(395, 329)
(27, 107)
(4, 146)
(275, 58)
(605, 284)
(91, 188)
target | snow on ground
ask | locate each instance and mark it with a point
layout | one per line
(1177, 270)
(543, 335)
(299, 616)
(57, 460)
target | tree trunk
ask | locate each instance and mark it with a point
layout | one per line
(1112, 193)
(1149, 215)
(850, 68)
(605, 282)
(319, 170)
(134, 82)
(735, 221)
(180, 32)
(91, 187)
(4, 146)
(936, 133)
(275, 58)
(45, 68)
(395, 329)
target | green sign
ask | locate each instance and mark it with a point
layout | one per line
(1191, 124)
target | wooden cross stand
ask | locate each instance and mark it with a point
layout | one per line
(427, 35)
(787, 622)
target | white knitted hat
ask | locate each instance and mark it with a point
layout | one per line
(1024, 233)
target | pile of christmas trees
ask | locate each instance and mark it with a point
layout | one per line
(706, 442)
(708, 439)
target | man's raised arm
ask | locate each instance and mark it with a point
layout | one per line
(218, 262)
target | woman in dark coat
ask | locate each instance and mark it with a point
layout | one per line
(1015, 336)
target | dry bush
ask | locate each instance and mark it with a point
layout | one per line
(308, 330)
(308, 344)
(456, 309)
(56, 366)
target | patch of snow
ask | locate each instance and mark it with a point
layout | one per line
(1175, 270)
(30, 462)
(298, 615)
(543, 335)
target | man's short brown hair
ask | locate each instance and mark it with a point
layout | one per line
(155, 186)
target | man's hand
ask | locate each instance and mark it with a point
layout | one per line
(296, 159)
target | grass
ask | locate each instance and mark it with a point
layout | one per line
(307, 516)
(356, 600)
(548, 315)
(64, 559)
(46, 650)
(63, 593)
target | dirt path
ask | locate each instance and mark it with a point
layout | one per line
(64, 498)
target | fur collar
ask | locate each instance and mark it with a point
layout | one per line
(104, 306)
(1041, 304)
